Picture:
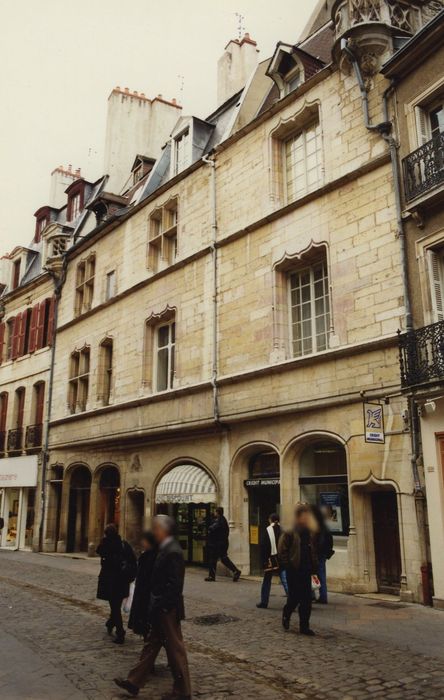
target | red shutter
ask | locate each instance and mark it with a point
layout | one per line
(2, 340)
(32, 344)
(21, 334)
(39, 403)
(15, 337)
(40, 331)
(51, 319)
(3, 411)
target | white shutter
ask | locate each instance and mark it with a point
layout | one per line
(422, 126)
(436, 286)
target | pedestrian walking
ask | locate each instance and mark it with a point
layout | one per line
(298, 555)
(117, 571)
(325, 552)
(270, 560)
(218, 544)
(165, 615)
(138, 619)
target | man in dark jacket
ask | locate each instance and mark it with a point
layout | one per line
(270, 562)
(298, 555)
(165, 615)
(218, 543)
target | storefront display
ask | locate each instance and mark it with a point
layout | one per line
(188, 494)
(18, 481)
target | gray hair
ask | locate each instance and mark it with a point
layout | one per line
(166, 523)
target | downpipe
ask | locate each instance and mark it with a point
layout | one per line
(214, 369)
(58, 285)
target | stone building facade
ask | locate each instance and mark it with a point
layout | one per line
(418, 77)
(222, 326)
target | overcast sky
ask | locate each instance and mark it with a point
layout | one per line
(60, 59)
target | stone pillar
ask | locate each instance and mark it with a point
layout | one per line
(64, 514)
(94, 534)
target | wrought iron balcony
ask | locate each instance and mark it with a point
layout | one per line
(15, 440)
(34, 435)
(424, 168)
(421, 355)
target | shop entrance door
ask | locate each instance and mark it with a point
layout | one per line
(11, 515)
(386, 539)
(263, 501)
(193, 520)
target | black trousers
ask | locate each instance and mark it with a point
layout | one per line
(299, 596)
(214, 554)
(115, 604)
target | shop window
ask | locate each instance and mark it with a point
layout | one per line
(309, 308)
(323, 481)
(105, 374)
(165, 342)
(85, 284)
(79, 380)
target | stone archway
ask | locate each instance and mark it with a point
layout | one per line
(78, 496)
(108, 510)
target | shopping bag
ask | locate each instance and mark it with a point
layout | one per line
(127, 603)
(315, 586)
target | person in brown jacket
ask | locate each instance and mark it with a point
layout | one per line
(298, 556)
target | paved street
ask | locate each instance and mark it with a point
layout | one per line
(54, 646)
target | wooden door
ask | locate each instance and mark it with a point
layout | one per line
(386, 539)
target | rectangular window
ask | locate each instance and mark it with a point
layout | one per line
(16, 274)
(303, 162)
(105, 371)
(74, 206)
(110, 285)
(10, 331)
(309, 309)
(181, 152)
(85, 285)
(436, 276)
(164, 356)
(79, 380)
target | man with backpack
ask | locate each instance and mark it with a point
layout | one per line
(118, 569)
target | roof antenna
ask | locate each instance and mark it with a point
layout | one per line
(181, 86)
(240, 24)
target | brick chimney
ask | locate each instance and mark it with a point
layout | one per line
(235, 67)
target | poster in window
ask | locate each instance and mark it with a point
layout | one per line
(374, 423)
(331, 504)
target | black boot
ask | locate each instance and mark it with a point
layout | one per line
(126, 685)
(285, 620)
(120, 638)
(109, 626)
(307, 631)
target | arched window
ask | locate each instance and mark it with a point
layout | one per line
(323, 481)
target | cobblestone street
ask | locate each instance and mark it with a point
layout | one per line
(54, 645)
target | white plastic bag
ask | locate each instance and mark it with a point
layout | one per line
(127, 603)
(315, 586)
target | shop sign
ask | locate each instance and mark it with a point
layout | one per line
(254, 534)
(18, 472)
(374, 423)
(331, 504)
(254, 483)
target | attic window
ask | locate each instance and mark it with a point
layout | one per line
(138, 174)
(74, 207)
(292, 80)
(39, 226)
(181, 151)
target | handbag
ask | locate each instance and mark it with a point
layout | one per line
(315, 586)
(272, 564)
(127, 603)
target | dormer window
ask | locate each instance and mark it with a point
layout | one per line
(16, 273)
(292, 80)
(76, 199)
(40, 225)
(182, 152)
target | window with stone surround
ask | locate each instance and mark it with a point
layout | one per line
(296, 156)
(301, 306)
(162, 234)
(78, 387)
(105, 371)
(85, 284)
(160, 351)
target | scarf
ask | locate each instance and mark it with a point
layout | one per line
(272, 536)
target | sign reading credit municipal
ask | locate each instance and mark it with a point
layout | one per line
(374, 423)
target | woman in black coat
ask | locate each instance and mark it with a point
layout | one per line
(118, 569)
(138, 619)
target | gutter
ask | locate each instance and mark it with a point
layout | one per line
(58, 285)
